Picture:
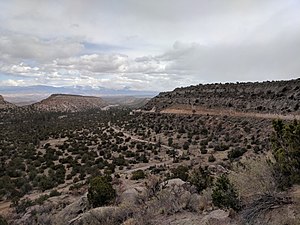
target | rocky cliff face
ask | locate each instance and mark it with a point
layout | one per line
(70, 103)
(4, 104)
(267, 97)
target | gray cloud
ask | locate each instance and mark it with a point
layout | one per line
(150, 45)
(24, 47)
(276, 59)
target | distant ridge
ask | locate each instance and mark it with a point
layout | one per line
(276, 97)
(22, 95)
(4, 104)
(69, 103)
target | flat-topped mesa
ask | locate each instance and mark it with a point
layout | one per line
(69, 103)
(276, 97)
(5, 105)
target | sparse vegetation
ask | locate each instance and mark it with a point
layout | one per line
(118, 154)
(253, 177)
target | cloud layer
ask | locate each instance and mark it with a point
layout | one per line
(148, 45)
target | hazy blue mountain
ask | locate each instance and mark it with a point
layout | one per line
(29, 94)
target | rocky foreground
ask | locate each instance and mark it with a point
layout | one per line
(174, 203)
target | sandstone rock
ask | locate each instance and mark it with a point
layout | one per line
(216, 217)
(132, 195)
(184, 199)
(173, 182)
(130, 221)
(71, 211)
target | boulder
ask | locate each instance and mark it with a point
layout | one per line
(71, 211)
(173, 182)
(217, 217)
(100, 215)
(132, 195)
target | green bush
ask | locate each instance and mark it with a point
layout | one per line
(200, 178)
(139, 174)
(235, 153)
(186, 146)
(54, 193)
(100, 192)
(224, 194)
(203, 150)
(21, 206)
(3, 221)
(286, 151)
(180, 172)
(211, 158)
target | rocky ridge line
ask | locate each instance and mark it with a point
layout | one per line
(277, 97)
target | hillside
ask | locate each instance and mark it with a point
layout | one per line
(129, 101)
(277, 97)
(70, 103)
(4, 104)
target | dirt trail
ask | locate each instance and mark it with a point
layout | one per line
(140, 140)
(148, 166)
(144, 167)
(4, 206)
(225, 112)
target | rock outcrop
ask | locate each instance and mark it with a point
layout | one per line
(69, 103)
(278, 97)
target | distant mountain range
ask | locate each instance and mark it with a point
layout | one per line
(76, 103)
(30, 94)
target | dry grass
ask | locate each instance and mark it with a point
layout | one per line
(263, 203)
(253, 178)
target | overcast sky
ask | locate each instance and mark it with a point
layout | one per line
(147, 45)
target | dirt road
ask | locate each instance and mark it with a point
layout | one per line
(184, 109)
